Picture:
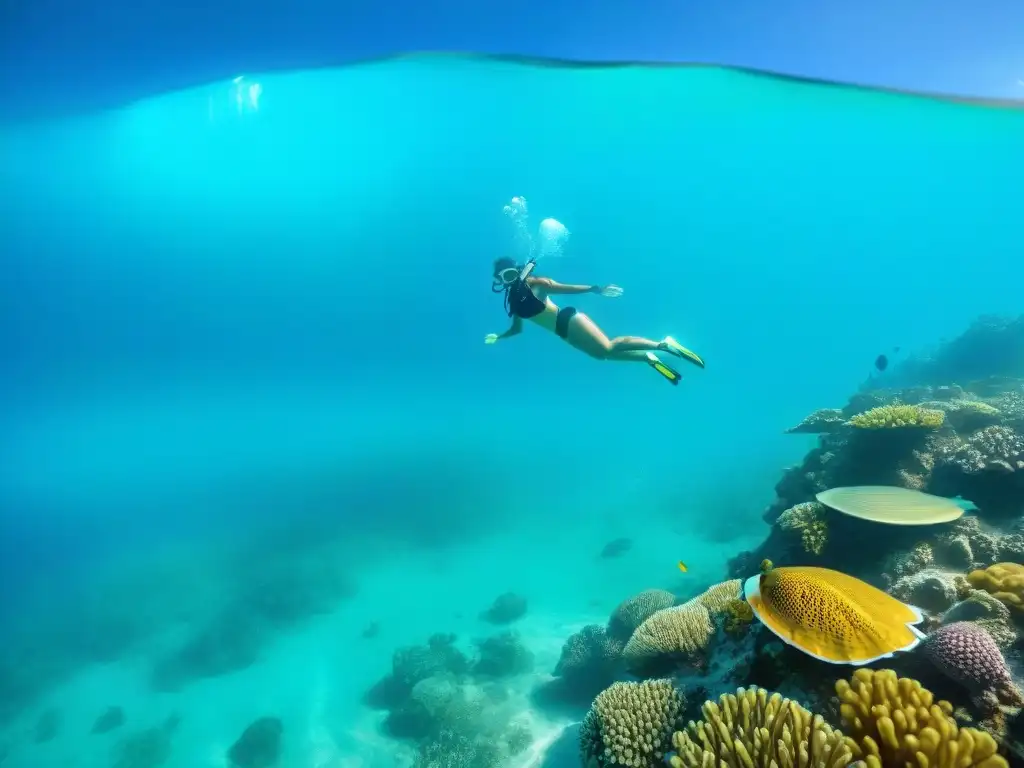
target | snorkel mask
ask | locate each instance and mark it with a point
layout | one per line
(507, 276)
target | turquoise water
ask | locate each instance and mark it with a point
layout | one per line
(236, 339)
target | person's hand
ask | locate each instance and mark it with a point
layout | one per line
(611, 291)
(490, 338)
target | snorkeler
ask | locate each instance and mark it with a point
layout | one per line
(527, 298)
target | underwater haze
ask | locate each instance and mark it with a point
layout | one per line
(245, 383)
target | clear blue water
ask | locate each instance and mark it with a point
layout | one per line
(233, 336)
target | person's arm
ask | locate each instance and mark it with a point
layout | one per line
(548, 285)
(514, 330)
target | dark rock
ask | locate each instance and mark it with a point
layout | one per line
(47, 726)
(507, 608)
(259, 746)
(112, 718)
(503, 655)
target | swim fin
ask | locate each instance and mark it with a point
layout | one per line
(671, 345)
(669, 373)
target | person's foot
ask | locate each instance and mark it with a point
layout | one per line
(673, 347)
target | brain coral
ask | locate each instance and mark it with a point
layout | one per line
(966, 653)
(898, 416)
(894, 722)
(755, 728)
(631, 724)
(679, 635)
(633, 611)
(1004, 581)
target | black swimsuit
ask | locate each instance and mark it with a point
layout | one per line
(522, 302)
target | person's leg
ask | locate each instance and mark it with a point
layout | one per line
(584, 335)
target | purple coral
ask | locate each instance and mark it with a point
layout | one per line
(966, 653)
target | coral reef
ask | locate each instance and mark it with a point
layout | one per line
(807, 519)
(589, 662)
(898, 416)
(821, 422)
(755, 728)
(943, 580)
(1004, 581)
(507, 608)
(890, 721)
(678, 637)
(502, 655)
(633, 611)
(450, 705)
(967, 654)
(631, 724)
(259, 746)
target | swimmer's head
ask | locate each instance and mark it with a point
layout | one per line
(500, 265)
(505, 273)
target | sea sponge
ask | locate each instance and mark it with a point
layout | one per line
(633, 611)
(897, 416)
(896, 723)
(755, 728)
(678, 636)
(1004, 581)
(966, 653)
(809, 520)
(631, 724)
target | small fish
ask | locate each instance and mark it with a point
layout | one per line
(682, 567)
(616, 548)
(881, 362)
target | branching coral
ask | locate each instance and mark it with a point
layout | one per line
(809, 520)
(895, 722)
(631, 724)
(1004, 581)
(633, 611)
(755, 728)
(898, 416)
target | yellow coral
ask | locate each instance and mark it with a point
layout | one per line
(678, 635)
(631, 724)
(738, 616)
(809, 519)
(895, 722)
(1004, 581)
(898, 415)
(755, 728)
